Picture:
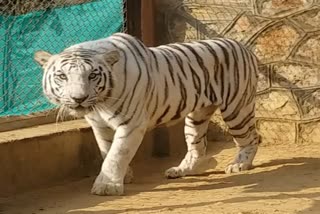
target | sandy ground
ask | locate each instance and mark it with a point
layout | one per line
(286, 179)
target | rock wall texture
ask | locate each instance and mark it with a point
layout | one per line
(284, 34)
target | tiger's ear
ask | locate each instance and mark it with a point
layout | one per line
(42, 57)
(112, 57)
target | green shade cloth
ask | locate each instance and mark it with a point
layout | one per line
(51, 30)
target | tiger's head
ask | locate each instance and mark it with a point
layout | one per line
(77, 79)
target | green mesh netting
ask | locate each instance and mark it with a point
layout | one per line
(51, 30)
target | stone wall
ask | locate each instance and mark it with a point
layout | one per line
(285, 35)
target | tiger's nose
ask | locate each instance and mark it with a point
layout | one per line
(79, 99)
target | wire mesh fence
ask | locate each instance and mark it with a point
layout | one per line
(52, 25)
(285, 35)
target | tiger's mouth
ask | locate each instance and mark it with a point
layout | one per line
(79, 108)
(79, 111)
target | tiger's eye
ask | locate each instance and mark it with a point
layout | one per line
(92, 76)
(62, 76)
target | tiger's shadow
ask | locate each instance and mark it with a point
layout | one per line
(288, 176)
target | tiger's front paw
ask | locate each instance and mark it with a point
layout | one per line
(174, 172)
(107, 189)
(237, 167)
(104, 186)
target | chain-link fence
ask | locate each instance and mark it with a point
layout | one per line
(285, 35)
(52, 25)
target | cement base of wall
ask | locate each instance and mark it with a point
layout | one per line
(52, 154)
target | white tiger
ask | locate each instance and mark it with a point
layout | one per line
(118, 82)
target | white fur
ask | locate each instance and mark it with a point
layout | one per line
(148, 87)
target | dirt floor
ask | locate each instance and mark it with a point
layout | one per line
(286, 179)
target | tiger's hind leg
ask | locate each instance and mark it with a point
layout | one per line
(196, 126)
(241, 123)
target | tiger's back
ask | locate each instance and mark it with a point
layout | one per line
(190, 76)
